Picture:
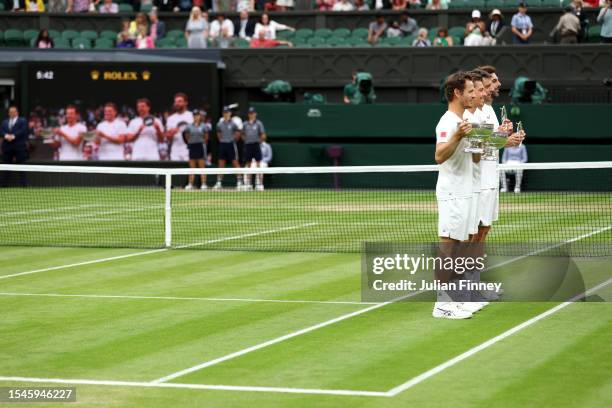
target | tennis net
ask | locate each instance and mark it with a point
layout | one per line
(318, 209)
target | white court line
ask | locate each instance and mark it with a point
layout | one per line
(438, 369)
(76, 216)
(153, 251)
(332, 321)
(287, 390)
(283, 390)
(46, 210)
(266, 344)
(135, 297)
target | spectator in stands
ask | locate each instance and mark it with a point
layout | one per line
(35, 6)
(568, 27)
(157, 28)
(57, 6)
(381, 4)
(437, 5)
(377, 29)
(111, 134)
(343, 5)
(522, 27)
(408, 25)
(266, 152)
(361, 5)
(443, 39)
(196, 30)
(605, 19)
(513, 155)
(141, 22)
(394, 30)
(244, 27)
(43, 40)
(108, 7)
(167, 5)
(143, 40)
(221, 31)
(263, 42)
(584, 21)
(495, 25)
(15, 5)
(78, 6)
(475, 30)
(399, 4)
(422, 39)
(269, 27)
(186, 5)
(351, 88)
(14, 136)
(124, 40)
(246, 5)
(591, 3)
(325, 5)
(284, 5)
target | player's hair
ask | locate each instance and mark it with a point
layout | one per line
(482, 73)
(490, 69)
(111, 105)
(475, 76)
(455, 81)
(145, 101)
(71, 106)
(181, 95)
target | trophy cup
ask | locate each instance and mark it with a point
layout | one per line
(497, 140)
(89, 136)
(475, 139)
(520, 130)
(148, 121)
(47, 134)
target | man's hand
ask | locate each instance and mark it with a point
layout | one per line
(9, 138)
(515, 139)
(464, 128)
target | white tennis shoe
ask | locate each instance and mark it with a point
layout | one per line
(450, 310)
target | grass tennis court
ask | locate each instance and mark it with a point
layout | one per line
(156, 327)
(100, 322)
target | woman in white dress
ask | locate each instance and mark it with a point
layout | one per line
(196, 30)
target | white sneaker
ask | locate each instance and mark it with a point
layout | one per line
(248, 187)
(189, 187)
(203, 187)
(450, 310)
(259, 187)
(517, 190)
(218, 185)
(239, 185)
(503, 190)
(473, 307)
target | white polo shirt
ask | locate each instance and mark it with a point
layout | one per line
(145, 146)
(109, 150)
(179, 150)
(67, 150)
(489, 176)
(455, 174)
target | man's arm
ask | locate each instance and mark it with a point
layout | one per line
(445, 150)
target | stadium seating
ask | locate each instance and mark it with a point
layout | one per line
(103, 44)
(341, 33)
(323, 33)
(70, 35)
(54, 34)
(81, 43)
(594, 34)
(125, 8)
(89, 34)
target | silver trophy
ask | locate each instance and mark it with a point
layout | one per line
(475, 139)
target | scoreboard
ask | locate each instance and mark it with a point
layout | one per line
(89, 84)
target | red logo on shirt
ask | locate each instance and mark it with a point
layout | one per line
(443, 134)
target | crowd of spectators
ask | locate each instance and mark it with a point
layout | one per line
(108, 6)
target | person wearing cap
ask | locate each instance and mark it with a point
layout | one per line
(522, 27)
(568, 27)
(495, 25)
(146, 132)
(253, 134)
(196, 137)
(157, 29)
(227, 134)
(475, 30)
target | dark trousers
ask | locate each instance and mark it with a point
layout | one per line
(14, 156)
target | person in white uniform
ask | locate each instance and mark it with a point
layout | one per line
(111, 135)
(145, 131)
(175, 126)
(69, 140)
(454, 186)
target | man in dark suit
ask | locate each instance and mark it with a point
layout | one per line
(14, 135)
(157, 29)
(244, 27)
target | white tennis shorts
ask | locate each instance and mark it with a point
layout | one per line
(454, 218)
(488, 207)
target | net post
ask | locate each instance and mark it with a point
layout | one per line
(168, 210)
